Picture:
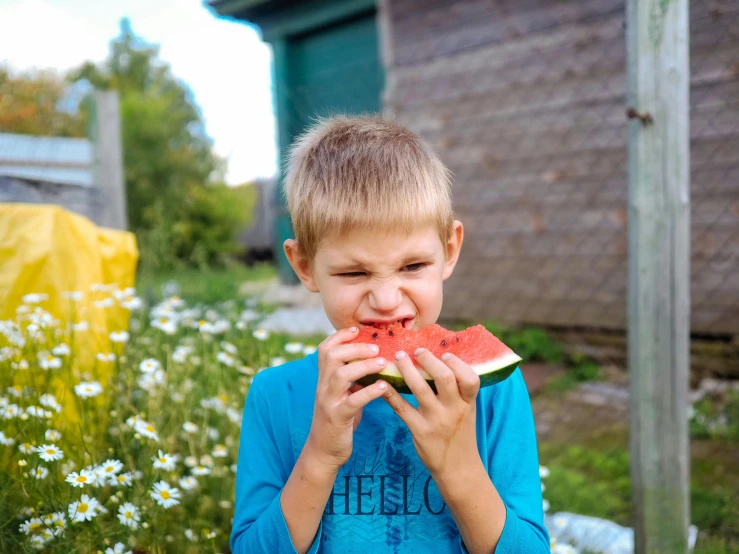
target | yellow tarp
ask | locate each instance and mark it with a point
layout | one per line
(47, 250)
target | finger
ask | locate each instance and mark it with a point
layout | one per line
(415, 381)
(362, 397)
(444, 378)
(344, 377)
(467, 380)
(404, 409)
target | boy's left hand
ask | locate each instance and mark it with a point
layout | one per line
(443, 426)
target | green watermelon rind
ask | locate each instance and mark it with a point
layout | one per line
(491, 372)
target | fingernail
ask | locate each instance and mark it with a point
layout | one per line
(353, 329)
(380, 361)
(374, 348)
(399, 355)
(382, 385)
(418, 351)
(446, 355)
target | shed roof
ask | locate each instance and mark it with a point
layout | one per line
(51, 159)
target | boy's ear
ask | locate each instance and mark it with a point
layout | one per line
(453, 247)
(300, 264)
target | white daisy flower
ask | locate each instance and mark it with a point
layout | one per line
(543, 472)
(56, 522)
(133, 304)
(73, 295)
(205, 327)
(190, 535)
(261, 334)
(123, 480)
(188, 483)
(37, 411)
(47, 361)
(129, 515)
(22, 365)
(50, 452)
(119, 336)
(105, 357)
(40, 472)
(233, 468)
(226, 359)
(80, 326)
(164, 495)
(201, 470)
(26, 448)
(49, 400)
(52, 435)
(7, 441)
(279, 360)
(119, 548)
(206, 460)
(147, 430)
(545, 505)
(104, 303)
(34, 298)
(149, 365)
(190, 427)
(33, 525)
(293, 347)
(308, 350)
(246, 370)
(15, 390)
(61, 350)
(230, 348)
(88, 389)
(110, 467)
(191, 461)
(181, 353)
(11, 410)
(164, 461)
(166, 324)
(84, 477)
(85, 509)
(220, 451)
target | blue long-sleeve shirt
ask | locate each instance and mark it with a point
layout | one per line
(383, 499)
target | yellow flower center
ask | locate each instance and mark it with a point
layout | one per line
(121, 478)
(162, 320)
(150, 428)
(163, 460)
(201, 322)
(81, 479)
(165, 495)
(82, 508)
(59, 523)
(108, 469)
(34, 527)
(129, 515)
(50, 451)
(49, 358)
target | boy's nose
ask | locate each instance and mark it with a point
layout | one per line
(385, 297)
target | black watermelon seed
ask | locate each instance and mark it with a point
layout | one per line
(391, 333)
(456, 339)
(443, 343)
(375, 336)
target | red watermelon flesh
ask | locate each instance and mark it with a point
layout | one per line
(492, 360)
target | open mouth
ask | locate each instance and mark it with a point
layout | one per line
(406, 322)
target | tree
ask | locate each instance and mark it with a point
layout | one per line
(166, 150)
(32, 103)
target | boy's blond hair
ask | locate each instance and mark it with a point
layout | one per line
(366, 172)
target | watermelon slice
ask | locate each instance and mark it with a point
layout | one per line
(492, 360)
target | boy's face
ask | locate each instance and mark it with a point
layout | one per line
(379, 278)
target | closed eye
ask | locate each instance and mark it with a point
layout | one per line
(414, 268)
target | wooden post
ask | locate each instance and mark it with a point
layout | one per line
(105, 134)
(659, 271)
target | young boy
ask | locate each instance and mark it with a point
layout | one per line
(326, 465)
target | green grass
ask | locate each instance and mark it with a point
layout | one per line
(594, 480)
(203, 286)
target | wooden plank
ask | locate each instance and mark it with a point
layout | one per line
(105, 130)
(659, 272)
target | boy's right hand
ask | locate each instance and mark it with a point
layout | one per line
(339, 402)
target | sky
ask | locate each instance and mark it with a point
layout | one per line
(224, 62)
